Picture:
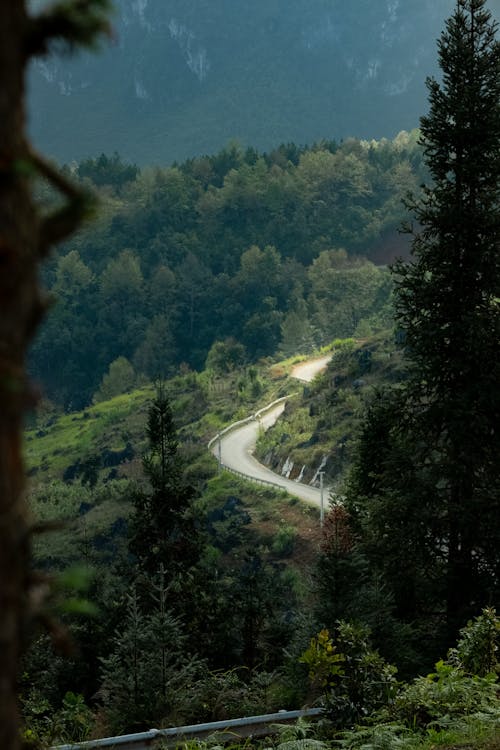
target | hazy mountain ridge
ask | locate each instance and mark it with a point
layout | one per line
(182, 77)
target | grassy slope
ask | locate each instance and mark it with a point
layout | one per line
(111, 436)
(322, 423)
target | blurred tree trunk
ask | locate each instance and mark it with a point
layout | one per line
(20, 306)
(24, 240)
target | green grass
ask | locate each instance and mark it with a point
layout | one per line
(51, 448)
(324, 420)
(319, 420)
(87, 517)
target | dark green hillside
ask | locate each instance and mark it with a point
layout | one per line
(83, 465)
(319, 429)
(271, 250)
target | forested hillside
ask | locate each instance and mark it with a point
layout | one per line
(273, 251)
(170, 590)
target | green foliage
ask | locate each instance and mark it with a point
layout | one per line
(120, 378)
(323, 423)
(356, 680)
(108, 171)
(71, 723)
(323, 660)
(91, 519)
(447, 692)
(74, 719)
(297, 736)
(345, 292)
(446, 303)
(380, 737)
(225, 356)
(476, 652)
(146, 676)
(284, 541)
(251, 237)
(226, 694)
(163, 529)
(72, 583)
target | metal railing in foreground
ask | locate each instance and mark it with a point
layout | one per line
(224, 730)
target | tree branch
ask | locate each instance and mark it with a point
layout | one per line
(73, 23)
(61, 223)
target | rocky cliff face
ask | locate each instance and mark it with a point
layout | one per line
(182, 77)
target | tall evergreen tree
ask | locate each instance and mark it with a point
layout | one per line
(151, 666)
(164, 531)
(447, 305)
(447, 302)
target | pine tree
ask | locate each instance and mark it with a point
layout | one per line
(430, 511)
(163, 530)
(150, 668)
(447, 303)
(25, 239)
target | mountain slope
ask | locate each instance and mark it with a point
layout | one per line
(182, 77)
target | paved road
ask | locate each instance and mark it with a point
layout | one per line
(306, 371)
(237, 446)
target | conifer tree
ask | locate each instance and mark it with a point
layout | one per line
(447, 303)
(436, 488)
(163, 529)
(150, 668)
(25, 239)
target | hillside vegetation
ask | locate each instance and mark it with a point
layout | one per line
(204, 596)
(256, 540)
(259, 252)
(320, 429)
(82, 465)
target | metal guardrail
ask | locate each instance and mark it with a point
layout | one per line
(249, 726)
(255, 480)
(247, 420)
(252, 418)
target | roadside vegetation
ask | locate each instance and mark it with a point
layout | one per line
(195, 595)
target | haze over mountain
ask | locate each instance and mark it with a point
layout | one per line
(182, 77)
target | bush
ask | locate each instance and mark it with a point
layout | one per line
(284, 541)
(447, 692)
(356, 680)
(477, 649)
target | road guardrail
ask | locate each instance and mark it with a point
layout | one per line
(249, 726)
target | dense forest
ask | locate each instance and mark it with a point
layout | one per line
(168, 591)
(276, 251)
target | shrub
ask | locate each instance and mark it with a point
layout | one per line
(357, 681)
(477, 649)
(284, 541)
(447, 692)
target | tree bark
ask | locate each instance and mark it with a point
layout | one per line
(25, 239)
(20, 308)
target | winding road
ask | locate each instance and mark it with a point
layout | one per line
(235, 448)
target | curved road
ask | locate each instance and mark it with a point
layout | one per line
(235, 449)
(308, 370)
